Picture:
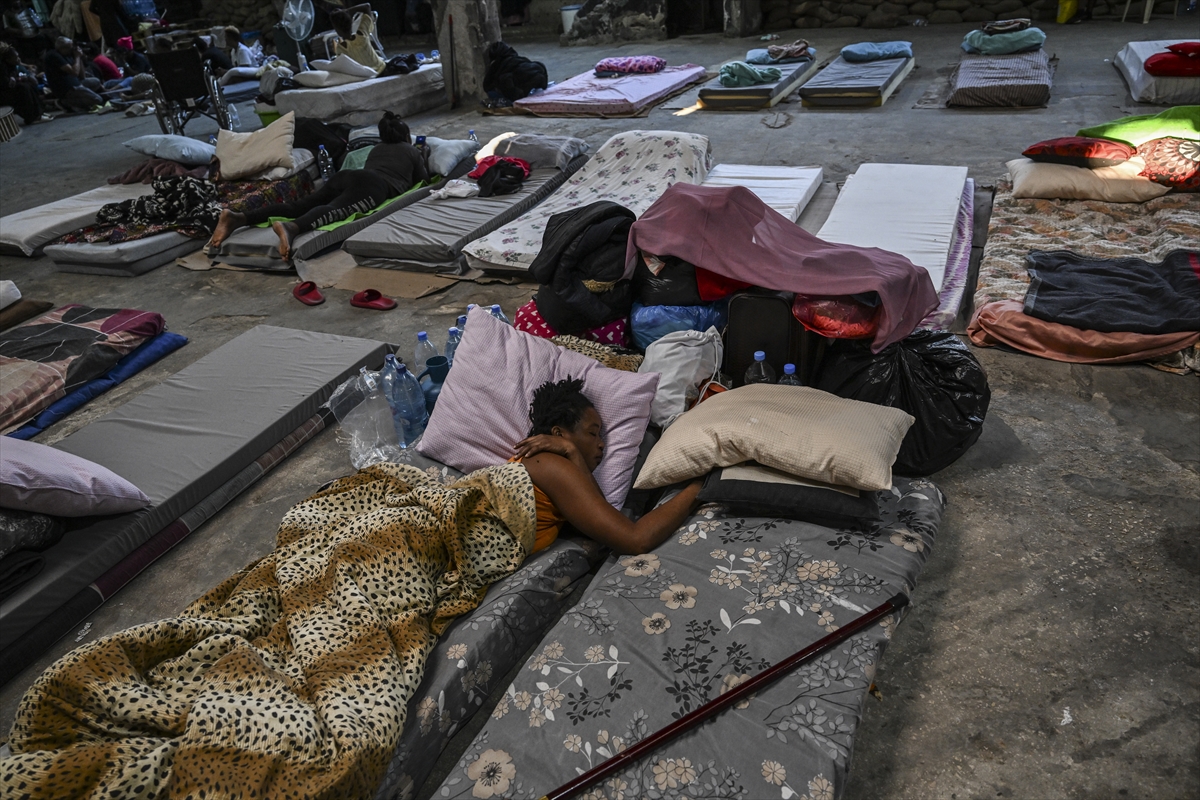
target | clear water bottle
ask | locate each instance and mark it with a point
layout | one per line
(789, 376)
(760, 371)
(424, 351)
(325, 163)
(462, 324)
(435, 55)
(235, 124)
(415, 415)
(499, 314)
(452, 340)
(389, 377)
(471, 135)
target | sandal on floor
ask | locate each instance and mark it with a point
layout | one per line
(372, 298)
(308, 293)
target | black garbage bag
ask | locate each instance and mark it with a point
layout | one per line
(933, 376)
(674, 285)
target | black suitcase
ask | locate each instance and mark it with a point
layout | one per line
(762, 319)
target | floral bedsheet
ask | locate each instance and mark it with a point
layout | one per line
(632, 168)
(658, 635)
(1149, 231)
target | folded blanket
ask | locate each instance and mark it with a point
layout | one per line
(761, 55)
(1006, 26)
(490, 161)
(152, 168)
(293, 676)
(1003, 44)
(797, 49)
(739, 73)
(876, 51)
(630, 65)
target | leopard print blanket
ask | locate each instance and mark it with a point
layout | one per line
(291, 678)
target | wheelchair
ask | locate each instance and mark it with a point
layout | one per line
(185, 89)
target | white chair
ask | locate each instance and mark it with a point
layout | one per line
(1148, 8)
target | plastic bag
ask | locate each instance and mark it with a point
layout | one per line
(684, 360)
(651, 323)
(673, 285)
(365, 421)
(931, 375)
(837, 317)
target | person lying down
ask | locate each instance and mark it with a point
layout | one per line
(292, 677)
(393, 167)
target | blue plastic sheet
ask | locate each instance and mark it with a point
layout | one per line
(651, 323)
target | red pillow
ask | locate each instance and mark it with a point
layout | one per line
(1191, 49)
(1172, 162)
(1080, 151)
(1173, 65)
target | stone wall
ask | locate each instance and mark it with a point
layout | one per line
(781, 15)
(247, 15)
(606, 21)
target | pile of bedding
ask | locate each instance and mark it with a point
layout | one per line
(1004, 66)
(1091, 237)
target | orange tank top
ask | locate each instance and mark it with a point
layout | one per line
(549, 519)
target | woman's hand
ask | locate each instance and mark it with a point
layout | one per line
(543, 443)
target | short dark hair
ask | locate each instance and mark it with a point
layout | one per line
(393, 130)
(558, 404)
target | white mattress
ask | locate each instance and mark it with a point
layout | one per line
(785, 189)
(27, 231)
(908, 209)
(1146, 88)
(363, 102)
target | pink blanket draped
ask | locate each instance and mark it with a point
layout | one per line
(731, 232)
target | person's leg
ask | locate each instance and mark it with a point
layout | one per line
(81, 99)
(95, 84)
(361, 190)
(24, 100)
(230, 221)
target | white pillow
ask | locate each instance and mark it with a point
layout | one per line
(183, 149)
(301, 160)
(1117, 184)
(346, 66)
(322, 79)
(444, 154)
(246, 154)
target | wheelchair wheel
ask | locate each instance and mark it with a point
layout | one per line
(165, 112)
(216, 99)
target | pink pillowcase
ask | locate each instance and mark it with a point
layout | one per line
(483, 408)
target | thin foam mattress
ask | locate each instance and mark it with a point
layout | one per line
(360, 103)
(632, 168)
(125, 259)
(1147, 88)
(736, 98)
(1017, 80)
(585, 95)
(432, 233)
(178, 442)
(843, 83)
(788, 190)
(25, 232)
(910, 209)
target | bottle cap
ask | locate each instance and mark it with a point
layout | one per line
(401, 368)
(462, 320)
(422, 336)
(469, 307)
(454, 331)
(496, 307)
(759, 355)
(789, 369)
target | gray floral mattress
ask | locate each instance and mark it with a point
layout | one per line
(658, 635)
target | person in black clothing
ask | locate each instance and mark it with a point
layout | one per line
(18, 88)
(68, 77)
(510, 75)
(392, 168)
(130, 60)
(217, 60)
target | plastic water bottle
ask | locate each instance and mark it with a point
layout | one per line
(461, 324)
(234, 122)
(789, 376)
(471, 135)
(760, 371)
(415, 415)
(325, 163)
(389, 377)
(499, 314)
(424, 351)
(452, 340)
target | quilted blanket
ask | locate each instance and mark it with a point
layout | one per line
(50, 355)
(656, 636)
(291, 678)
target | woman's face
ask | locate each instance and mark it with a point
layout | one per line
(588, 438)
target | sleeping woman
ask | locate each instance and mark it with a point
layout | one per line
(391, 169)
(564, 447)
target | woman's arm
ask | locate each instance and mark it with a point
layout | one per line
(574, 492)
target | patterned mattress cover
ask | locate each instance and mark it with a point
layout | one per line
(655, 636)
(589, 96)
(360, 103)
(1148, 230)
(958, 264)
(632, 168)
(1021, 80)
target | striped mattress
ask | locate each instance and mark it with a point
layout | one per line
(1021, 79)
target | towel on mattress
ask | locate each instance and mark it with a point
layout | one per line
(658, 635)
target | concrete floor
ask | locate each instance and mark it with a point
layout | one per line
(1053, 649)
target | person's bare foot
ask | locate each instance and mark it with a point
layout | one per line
(227, 223)
(285, 231)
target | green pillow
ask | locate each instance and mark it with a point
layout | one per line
(355, 159)
(1180, 122)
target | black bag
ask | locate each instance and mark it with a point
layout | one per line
(761, 319)
(503, 177)
(674, 285)
(931, 375)
(511, 75)
(312, 133)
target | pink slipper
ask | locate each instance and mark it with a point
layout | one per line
(372, 298)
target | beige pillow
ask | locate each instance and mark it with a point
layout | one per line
(801, 431)
(1118, 184)
(244, 154)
